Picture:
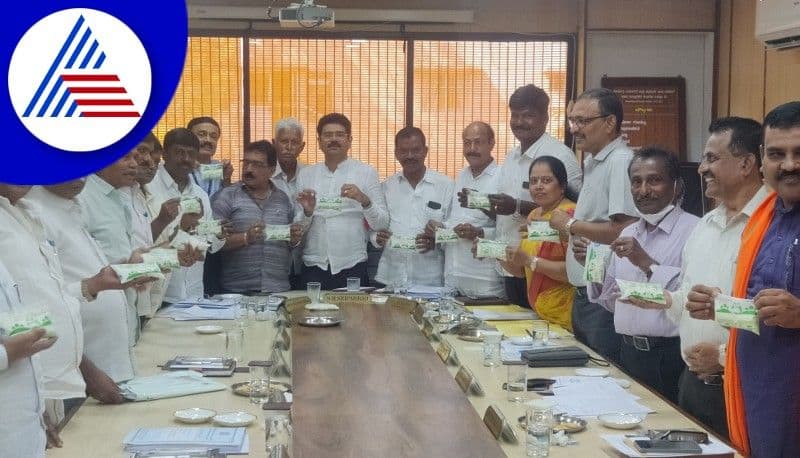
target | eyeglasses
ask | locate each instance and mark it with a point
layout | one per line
(257, 164)
(580, 123)
(336, 134)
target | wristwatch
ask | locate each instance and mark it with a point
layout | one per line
(569, 224)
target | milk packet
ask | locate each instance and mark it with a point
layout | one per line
(182, 238)
(165, 258)
(190, 205)
(733, 312)
(491, 249)
(20, 321)
(542, 232)
(211, 171)
(477, 200)
(399, 242)
(130, 272)
(651, 292)
(209, 227)
(330, 203)
(597, 257)
(282, 232)
(445, 235)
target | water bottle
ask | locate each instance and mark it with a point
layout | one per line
(540, 425)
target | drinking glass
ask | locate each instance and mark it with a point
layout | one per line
(491, 348)
(259, 381)
(517, 382)
(353, 284)
(234, 344)
(313, 289)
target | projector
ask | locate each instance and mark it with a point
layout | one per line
(306, 16)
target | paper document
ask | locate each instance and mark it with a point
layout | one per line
(168, 385)
(592, 396)
(196, 313)
(228, 440)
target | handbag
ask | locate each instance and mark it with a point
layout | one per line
(571, 356)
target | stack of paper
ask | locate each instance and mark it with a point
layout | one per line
(196, 312)
(592, 396)
(169, 385)
(232, 441)
(209, 302)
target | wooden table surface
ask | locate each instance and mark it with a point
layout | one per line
(373, 387)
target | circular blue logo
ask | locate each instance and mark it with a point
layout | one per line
(86, 84)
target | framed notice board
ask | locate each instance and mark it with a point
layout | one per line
(654, 111)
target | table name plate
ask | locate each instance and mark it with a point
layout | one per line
(498, 426)
(467, 382)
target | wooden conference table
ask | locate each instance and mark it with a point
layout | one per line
(373, 386)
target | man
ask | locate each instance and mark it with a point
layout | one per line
(470, 276)
(414, 196)
(347, 193)
(249, 262)
(762, 371)
(604, 207)
(33, 262)
(288, 143)
(529, 107)
(208, 132)
(104, 317)
(649, 251)
(21, 429)
(730, 169)
(172, 181)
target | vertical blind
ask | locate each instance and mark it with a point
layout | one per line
(454, 83)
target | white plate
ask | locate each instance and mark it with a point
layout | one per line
(622, 382)
(194, 415)
(234, 419)
(319, 306)
(378, 298)
(620, 420)
(591, 372)
(209, 329)
(524, 341)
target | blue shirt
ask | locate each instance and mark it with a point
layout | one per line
(770, 363)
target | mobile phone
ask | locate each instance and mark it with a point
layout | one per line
(665, 446)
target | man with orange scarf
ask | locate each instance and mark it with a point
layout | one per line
(762, 377)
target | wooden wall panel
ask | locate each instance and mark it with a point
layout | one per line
(782, 82)
(651, 14)
(747, 63)
(723, 58)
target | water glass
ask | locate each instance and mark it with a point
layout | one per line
(491, 348)
(234, 344)
(313, 290)
(259, 381)
(353, 284)
(517, 383)
(539, 426)
(542, 328)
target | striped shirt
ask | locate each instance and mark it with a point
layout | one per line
(262, 266)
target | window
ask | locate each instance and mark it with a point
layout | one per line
(454, 83)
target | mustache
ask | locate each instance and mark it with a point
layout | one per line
(249, 175)
(782, 174)
(208, 145)
(335, 143)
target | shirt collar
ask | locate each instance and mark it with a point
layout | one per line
(489, 170)
(166, 178)
(783, 211)
(279, 173)
(666, 225)
(428, 177)
(719, 215)
(531, 151)
(603, 154)
(102, 184)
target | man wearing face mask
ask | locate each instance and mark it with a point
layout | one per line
(649, 251)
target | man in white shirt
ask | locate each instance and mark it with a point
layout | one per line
(21, 428)
(104, 318)
(414, 196)
(529, 106)
(604, 208)
(172, 181)
(470, 276)
(730, 169)
(33, 261)
(347, 193)
(288, 143)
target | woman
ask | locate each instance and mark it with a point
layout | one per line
(543, 264)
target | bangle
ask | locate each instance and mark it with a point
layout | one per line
(533, 262)
(246, 241)
(569, 224)
(518, 205)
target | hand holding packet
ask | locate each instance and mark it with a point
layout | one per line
(733, 312)
(165, 258)
(652, 292)
(330, 203)
(477, 200)
(491, 249)
(130, 272)
(399, 242)
(190, 205)
(209, 227)
(542, 232)
(20, 321)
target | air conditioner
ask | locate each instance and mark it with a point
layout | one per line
(778, 23)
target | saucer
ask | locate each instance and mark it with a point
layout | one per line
(620, 420)
(234, 419)
(209, 329)
(194, 415)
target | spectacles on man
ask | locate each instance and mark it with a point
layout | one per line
(579, 123)
(257, 164)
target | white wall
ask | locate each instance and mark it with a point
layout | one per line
(670, 54)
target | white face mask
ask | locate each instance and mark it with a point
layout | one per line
(656, 218)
